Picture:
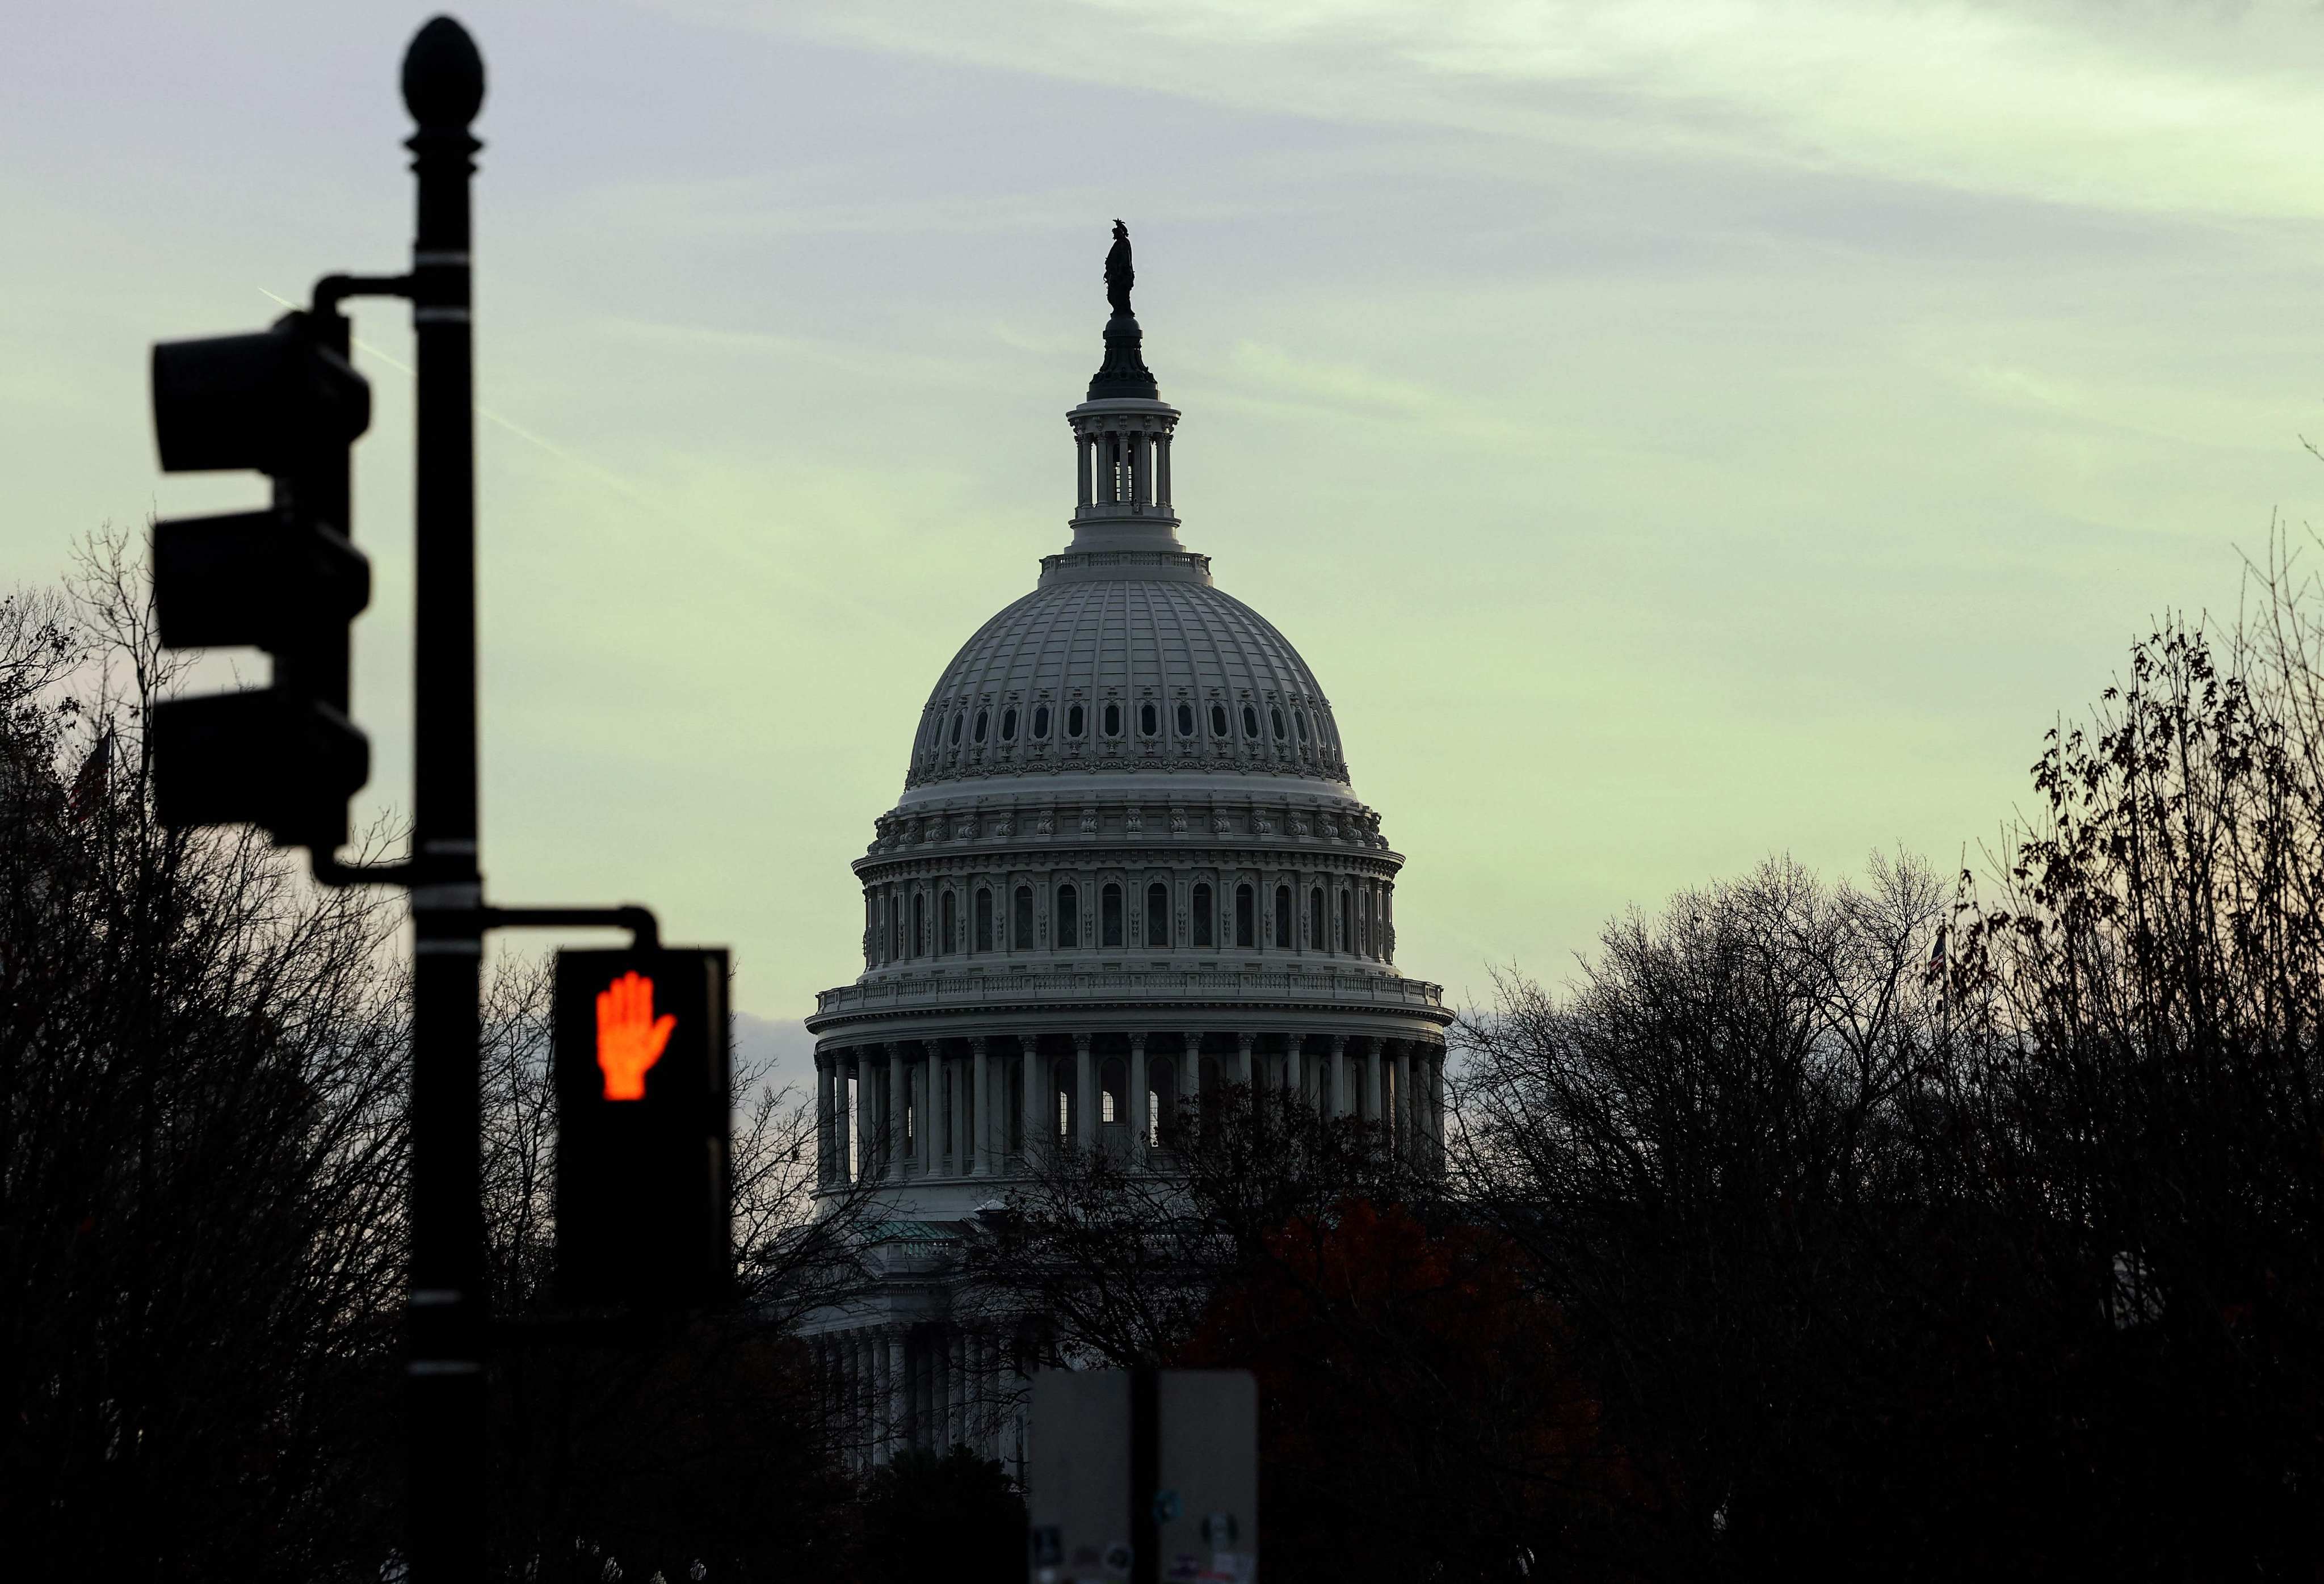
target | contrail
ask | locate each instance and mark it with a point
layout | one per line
(599, 471)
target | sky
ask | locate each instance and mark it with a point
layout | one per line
(1675, 431)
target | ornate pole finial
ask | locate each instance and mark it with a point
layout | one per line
(443, 77)
(1120, 277)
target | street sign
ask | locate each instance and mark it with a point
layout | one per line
(642, 1062)
(1139, 1476)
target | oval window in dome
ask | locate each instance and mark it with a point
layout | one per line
(1185, 719)
(1218, 720)
(1009, 725)
(1275, 718)
(1041, 724)
(1249, 723)
(1148, 722)
(1112, 719)
(1299, 719)
(980, 725)
(1073, 722)
(957, 722)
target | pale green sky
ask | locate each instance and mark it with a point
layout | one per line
(1675, 431)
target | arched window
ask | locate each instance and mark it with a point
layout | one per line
(948, 915)
(1283, 917)
(1112, 1102)
(1250, 723)
(871, 929)
(1202, 920)
(1021, 925)
(1299, 718)
(920, 924)
(1316, 941)
(1073, 722)
(1009, 725)
(1109, 914)
(958, 723)
(1069, 918)
(1112, 719)
(1364, 920)
(983, 919)
(1185, 719)
(1275, 719)
(1149, 721)
(895, 929)
(1218, 720)
(1040, 722)
(1347, 922)
(1246, 926)
(1157, 915)
(980, 725)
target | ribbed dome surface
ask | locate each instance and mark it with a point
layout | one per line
(1127, 673)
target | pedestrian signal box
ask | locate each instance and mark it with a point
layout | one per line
(642, 1062)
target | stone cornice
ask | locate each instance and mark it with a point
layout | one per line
(1176, 991)
(1119, 820)
(961, 859)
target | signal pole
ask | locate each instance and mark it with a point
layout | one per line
(443, 88)
(286, 402)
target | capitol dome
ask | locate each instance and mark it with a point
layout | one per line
(1099, 672)
(1126, 877)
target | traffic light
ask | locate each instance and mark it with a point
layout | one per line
(640, 1049)
(285, 402)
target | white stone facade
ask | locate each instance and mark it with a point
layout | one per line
(1127, 866)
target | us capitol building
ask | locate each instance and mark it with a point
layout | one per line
(1128, 867)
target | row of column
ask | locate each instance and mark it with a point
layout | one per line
(935, 1386)
(904, 1108)
(1129, 468)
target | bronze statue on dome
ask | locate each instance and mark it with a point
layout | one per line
(1119, 275)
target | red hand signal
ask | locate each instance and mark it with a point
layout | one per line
(629, 1037)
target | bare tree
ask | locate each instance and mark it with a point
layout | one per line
(202, 1181)
(200, 1139)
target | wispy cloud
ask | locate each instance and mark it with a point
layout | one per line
(2137, 107)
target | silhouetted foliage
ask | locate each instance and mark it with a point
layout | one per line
(1932, 1236)
(200, 1167)
(202, 1179)
(1417, 1413)
(953, 1516)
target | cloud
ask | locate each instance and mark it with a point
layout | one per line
(2139, 107)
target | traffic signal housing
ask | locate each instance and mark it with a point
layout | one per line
(286, 402)
(642, 1068)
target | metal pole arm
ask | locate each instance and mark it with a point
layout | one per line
(644, 932)
(644, 929)
(333, 289)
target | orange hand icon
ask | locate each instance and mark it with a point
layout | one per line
(629, 1037)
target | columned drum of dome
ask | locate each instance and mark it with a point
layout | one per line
(1127, 866)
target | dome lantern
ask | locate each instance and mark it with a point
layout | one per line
(1121, 437)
